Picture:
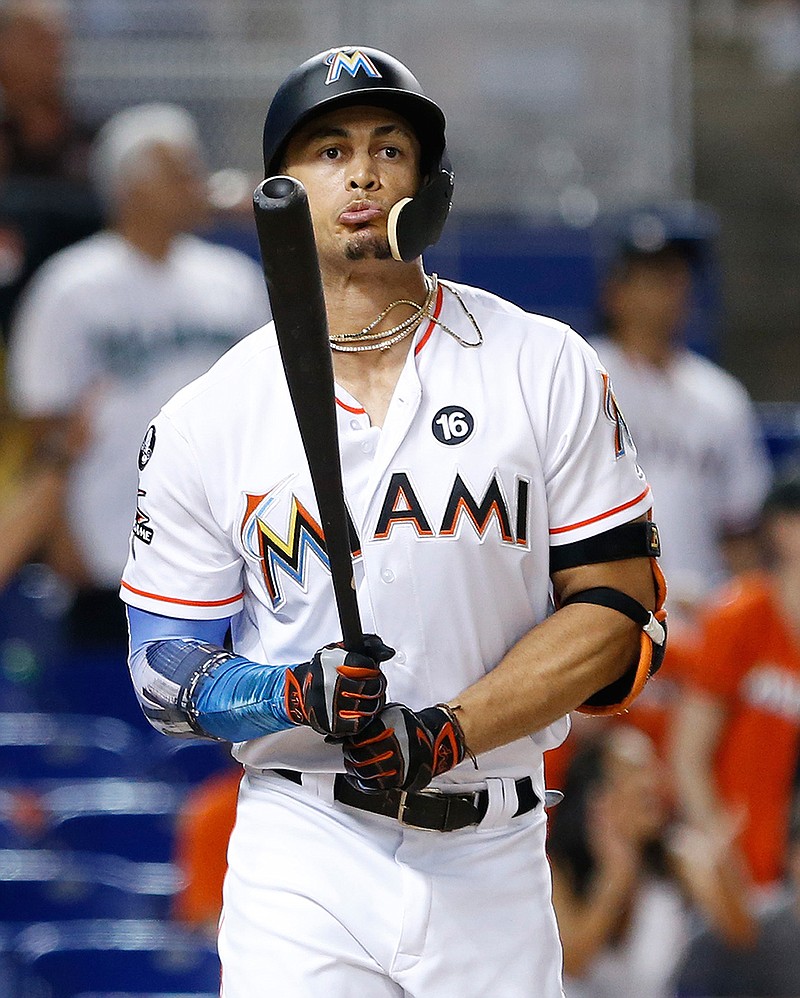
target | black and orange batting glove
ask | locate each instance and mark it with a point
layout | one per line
(402, 749)
(338, 692)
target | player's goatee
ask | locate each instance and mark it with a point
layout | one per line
(374, 247)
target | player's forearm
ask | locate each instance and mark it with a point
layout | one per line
(187, 684)
(552, 670)
(562, 662)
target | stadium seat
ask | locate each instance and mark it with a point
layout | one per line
(124, 956)
(130, 818)
(14, 696)
(10, 837)
(41, 885)
(127, 994)
(10, 982)
(186, 760)
(37, 746)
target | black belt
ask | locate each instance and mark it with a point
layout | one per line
(430, 809)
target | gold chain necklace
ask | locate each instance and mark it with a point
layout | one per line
(367, 339)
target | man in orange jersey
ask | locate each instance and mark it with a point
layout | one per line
(201, 844)
(737, 728)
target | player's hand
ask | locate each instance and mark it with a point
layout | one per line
(402, 749)
(338, 692)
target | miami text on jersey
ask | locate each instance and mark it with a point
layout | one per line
(288, 548)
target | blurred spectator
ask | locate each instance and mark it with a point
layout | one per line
(696, 433)
(737, 725)
(24, 516)
(40, 134)
(695, 430)
(626, 882)
(109, 329)
(42, 139)
(201, 846)
(771, 968)
(775, 26)
(694, 425)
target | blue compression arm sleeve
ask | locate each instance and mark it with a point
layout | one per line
(187, 684)
(144, 627)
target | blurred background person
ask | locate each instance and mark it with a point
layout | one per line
(770, 968)
(47, 202)
(697, 435)
(736, 738)
(108, 330)
(629, 886)
(41, 134)
(201, 848)
(43, 138)
(694, 424)
(775, 25)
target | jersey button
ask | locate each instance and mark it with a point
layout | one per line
(354, 424)
(400, 657)
(367, 447)
(387, 575)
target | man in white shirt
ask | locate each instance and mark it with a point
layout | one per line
(695, 426)
(110, 328)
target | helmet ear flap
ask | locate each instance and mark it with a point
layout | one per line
(416, 223)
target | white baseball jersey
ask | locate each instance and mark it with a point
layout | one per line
(698, 437)
(108, 329)
(486, 458)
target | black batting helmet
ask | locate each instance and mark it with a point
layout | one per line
(352, 75)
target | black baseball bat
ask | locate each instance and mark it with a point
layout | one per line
(291, 269)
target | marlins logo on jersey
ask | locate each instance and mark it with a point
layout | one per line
(290, 553)
(622, 435)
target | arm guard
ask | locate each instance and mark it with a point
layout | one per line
(189, 688)
(619, 695)
(636, 539)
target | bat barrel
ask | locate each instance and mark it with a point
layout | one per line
(277, 193)
(286, 241)
(291, 268)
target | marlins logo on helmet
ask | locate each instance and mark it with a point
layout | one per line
(341, 61)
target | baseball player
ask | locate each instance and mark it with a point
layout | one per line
(390, 830)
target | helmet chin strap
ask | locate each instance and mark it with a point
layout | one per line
(416, 223)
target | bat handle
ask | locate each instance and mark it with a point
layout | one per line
(349, 618)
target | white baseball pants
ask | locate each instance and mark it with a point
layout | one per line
(324, 901)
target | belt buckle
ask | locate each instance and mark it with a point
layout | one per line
(401, 812)
(402, 807)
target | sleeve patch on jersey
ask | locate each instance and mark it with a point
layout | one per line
(622, 435)
(147, 448)
(141, 524)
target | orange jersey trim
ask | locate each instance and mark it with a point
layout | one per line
(601, 516)
(427, 334)
(183, 602)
